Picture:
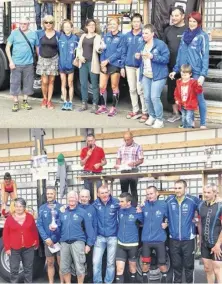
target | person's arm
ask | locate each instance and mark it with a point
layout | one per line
(90, 233)
(198, 89)
(205, 55)
(102, 55)
(103, 161)
(6, 237)
(118, 160)
(118, 53)
(177, 93)
(41, 229)
(176, 68)
(8, 53)
(217, 249)
(97, 43)
(35, 233)
(163, 57)
(3, 193)
(84, 158)
(15, 189)
(139, 160)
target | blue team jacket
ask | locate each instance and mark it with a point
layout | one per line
(195, 54)
(91, 212)
(76, 226)
(130, 47)
(67, 46)
(107, 223)
(153, 217)
(180, 216)
(127, 227)
(161, 56)
(114, 49)
(44, 219)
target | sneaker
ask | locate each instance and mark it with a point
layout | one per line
(44, 103)
(203, 127)
(69, 106)
(133, 115)
(150, 121)
(64, 106)
(174, 118)
(25, 105)
(15, 107)
(158, 124)
(102, 109)
(50, 105)
(143, 118)
(94, 108)
(84, 106)
(112, 112)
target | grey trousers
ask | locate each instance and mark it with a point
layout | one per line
(26, 255)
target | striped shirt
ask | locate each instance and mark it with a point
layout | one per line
(130, 154)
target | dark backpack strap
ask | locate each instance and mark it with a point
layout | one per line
(25, 37)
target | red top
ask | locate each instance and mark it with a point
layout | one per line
(16, 236)
(96, 157)
(186, 94)
(9, 187)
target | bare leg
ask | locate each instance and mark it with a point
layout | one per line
(217, 267)
(80, 278)
(45, 82)
(63, 86)
(60, 274)
(67, 278)
(71, 86)
(51, 268)
(208, 267)
(51, 87)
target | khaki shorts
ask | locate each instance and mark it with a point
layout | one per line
(75, 253)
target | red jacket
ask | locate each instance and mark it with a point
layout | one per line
(16, 236)
(194, 89)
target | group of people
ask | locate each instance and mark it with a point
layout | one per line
(147, 63)
(83, 231)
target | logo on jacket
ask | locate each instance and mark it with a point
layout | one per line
(158, 213)
(112, 206)
(131, 217)
(173, 206)
(45, 215)
(121, 215)
(75, 217)
(129, 39)
(146, 214)
(65, 217)
(184, 208)
(90, 215)
(140, 39)
(99, 207)
(116, 40)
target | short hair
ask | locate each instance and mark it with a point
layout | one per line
(126, 195)
(21, 201)
(90, 135)
(152, 186)
(150, 27)
(64, 22)
(128, 133)
(213, 186)
(186, 68)
(104, 186)
(182, 181)
(7, 176)
(88, 21)
(72, 193)
(50, 187)
(180, 8)
(114, 19)
(84, 190)
(137, 15)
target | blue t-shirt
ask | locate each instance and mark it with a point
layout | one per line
(21, 52)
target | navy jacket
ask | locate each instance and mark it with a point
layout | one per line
(180, 217)
(154, 214)
(114, 49)
(67, 47)
(107, 224)
(195, 54)
(76, 226)
(91, 212)
(43, 221)
(161, 56)
(128, 228)
(130, 47)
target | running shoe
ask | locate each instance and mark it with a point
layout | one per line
(112, 112)
(25, 105)
(102, 109)
(69, 106)
(133, 115)
(50, 105)
(174, 118)
(143, 118)
(15, 107)
(44, 103)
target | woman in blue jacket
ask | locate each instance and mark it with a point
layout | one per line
(194, 50)
(154, 55)
(68, 43)
(111, 62)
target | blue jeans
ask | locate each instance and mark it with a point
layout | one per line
(152, 93)
(49, 10)
(187, 118)
(84, 73)
(101, 244)
(202, 106)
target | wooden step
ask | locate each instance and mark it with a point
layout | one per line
(214, 113)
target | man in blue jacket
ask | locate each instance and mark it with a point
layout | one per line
(131, 41)
(153, 233)
(48, 236)
(107, 208)
(181, 212)
(128, 237)
(77, 238)
(84, 198)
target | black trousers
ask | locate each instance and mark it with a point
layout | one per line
(87, 11)
(89, 261)
(130, 183)
(26, 255)
(182, 256)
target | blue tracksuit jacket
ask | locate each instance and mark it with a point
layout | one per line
(107, 224)
(91, 212)
(43, 221)
(153, 217)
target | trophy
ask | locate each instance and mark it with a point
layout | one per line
(53, 224)
(208, 152)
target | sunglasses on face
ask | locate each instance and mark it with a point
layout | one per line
(48, 23)
(177, 187)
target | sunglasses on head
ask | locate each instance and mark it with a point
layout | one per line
(48, 23)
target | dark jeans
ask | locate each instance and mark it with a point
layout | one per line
(84, 73)
(26, 255)
(89, 261)
(49, 10)
(132, 184)
(89, 184)
(87, 11)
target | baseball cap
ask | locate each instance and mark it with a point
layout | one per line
(61, 159)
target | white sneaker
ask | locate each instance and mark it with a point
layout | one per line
(150, 121)
(158, 124)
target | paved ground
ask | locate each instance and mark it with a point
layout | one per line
(56, 118)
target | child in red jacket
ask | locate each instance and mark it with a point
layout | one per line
(185, 95)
